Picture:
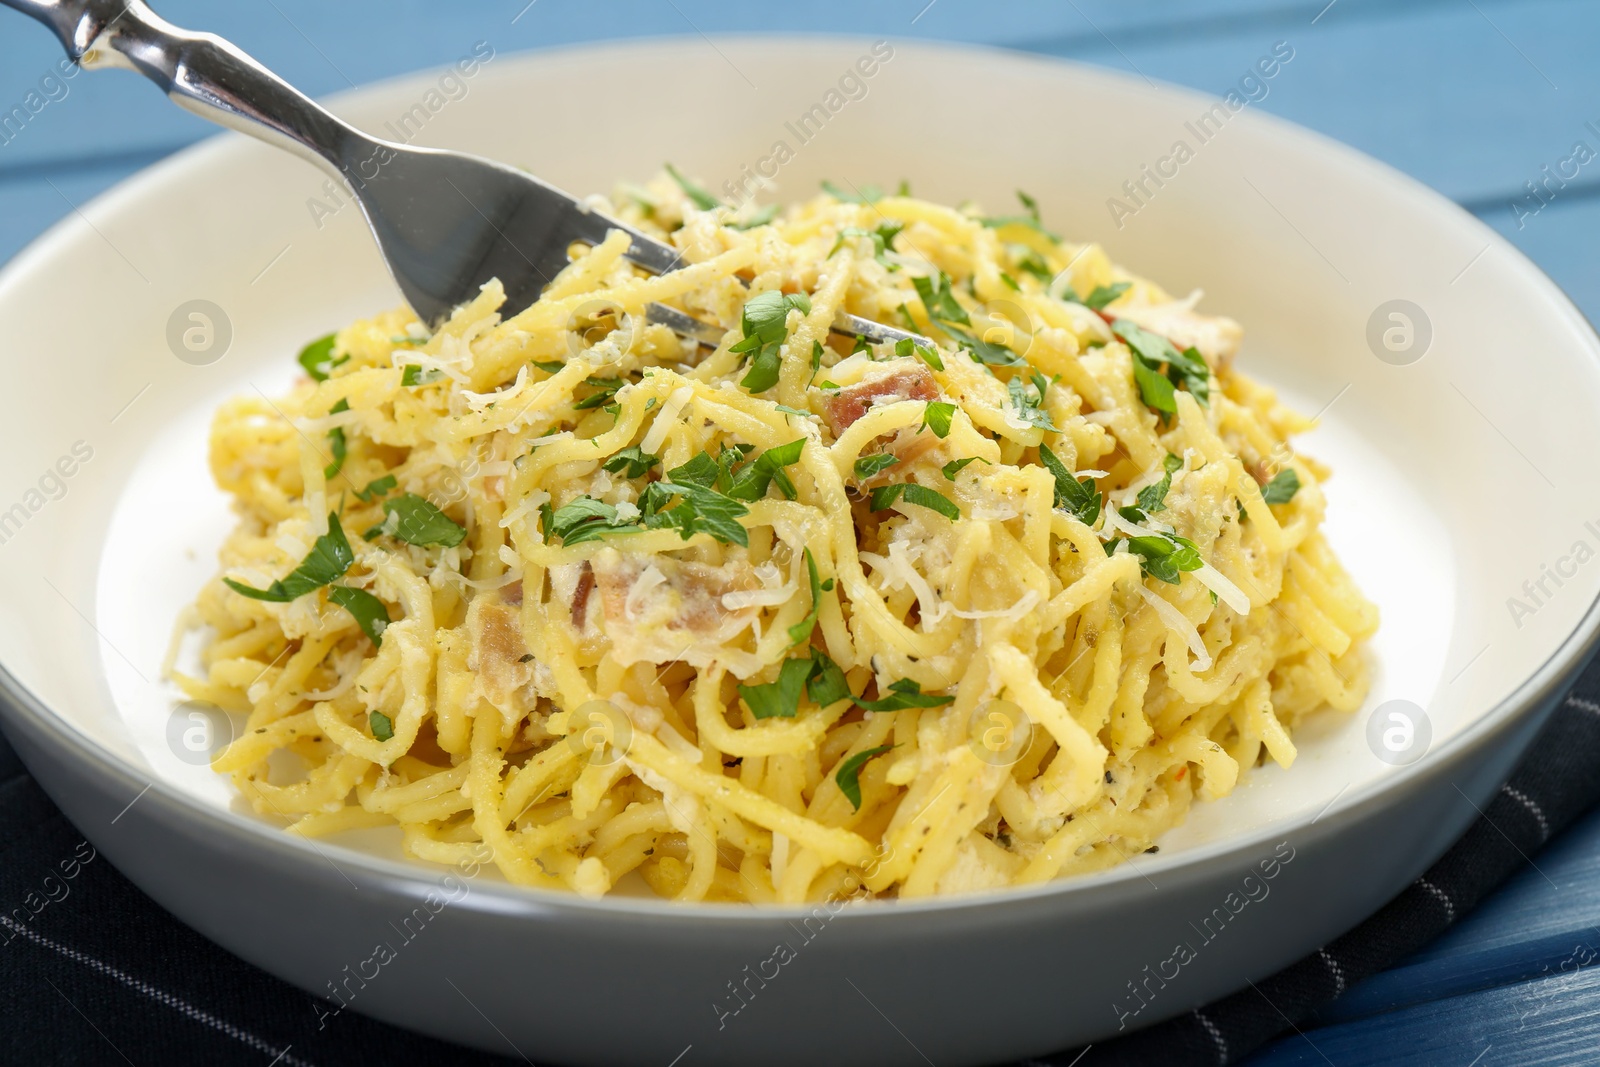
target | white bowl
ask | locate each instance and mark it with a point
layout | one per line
(1464, 470)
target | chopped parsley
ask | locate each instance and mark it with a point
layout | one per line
(336, 442)
(953, 319)
(330, 557)
(604, 390)
(1166, 557)
(368, 610)
(765, 323)
(376, 487)
(825, 684)
(549, 366)
(867, 466)
(1153, 498)
(765, 469)
(1028, 396)
(1030, 220)
(695, 192)
(1284, 485)
(848, 776)
(317, 358)
(1104, 295)
(382, 726)
(956, 466)
(582, 519)
(416, 521)
(1077, 496)
(882, 238)
(907, 347)
(1150, 351)
(884, 497)
(759, 218)
(631, 462)
(816, 356)
(780, 699)
(413, 374)
(800, 632)
(869, 194)
(901, 695)
(937, 415)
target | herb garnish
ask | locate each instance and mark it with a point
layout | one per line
(317, 358)
(936, 417)
(848, 776)
(884, 497)
(800, 632)
(906, 347)
(416, 521)
(631, 462)
(1077, 496)
(330, 557)
(867, 466)
(368, 610)
(870, 194)
(953, 319)
(1284, 485)
(382, 727)
(1151, 350)
(765, 324)
(1029, 399)
(336, 442)
(696, 193)
(901, 695)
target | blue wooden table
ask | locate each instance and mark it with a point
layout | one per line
(1485, 100)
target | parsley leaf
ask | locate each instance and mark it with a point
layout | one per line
(939, 301)
(1284, 485)
(760, 218)
(800, 632)
(848, 776)
(631, 462)
(695, 192)
(901, 695)
(376, 487)
(937, 415)
(752, 482)
(336, 442)
(413, 374)
(1030, 220)
(906, 347)
(867, 466)
(418, 522)
(1153, 498)
(317, 358)
(701, 510)
(956, 466)
(780, 699)
(870, 194)
(825, 684)
(882, 240)
(581, 519)
(1166, 556)
(1151, 350)
(1077, 496)
(765, 324)
(884, 497)
(330, 557)
(605, 389)
(368, 610)
(382, 726)
(1029, 399)
(1104, 294)
(549, 366)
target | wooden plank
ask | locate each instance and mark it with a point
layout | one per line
(1551, 1022)
(324, 48)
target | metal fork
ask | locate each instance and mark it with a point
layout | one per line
(446, 222)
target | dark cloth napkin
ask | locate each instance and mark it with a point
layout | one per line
(94, 972)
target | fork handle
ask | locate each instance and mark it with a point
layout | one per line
(206, 75)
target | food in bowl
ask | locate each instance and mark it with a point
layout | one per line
(787, 616)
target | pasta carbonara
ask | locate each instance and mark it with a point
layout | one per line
(758, 621)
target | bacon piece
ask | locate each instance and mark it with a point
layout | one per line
(580, 596)
(497, 655)
(659, 609)
(908, 381)
(511, 592)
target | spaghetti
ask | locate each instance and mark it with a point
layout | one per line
(798, 612)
